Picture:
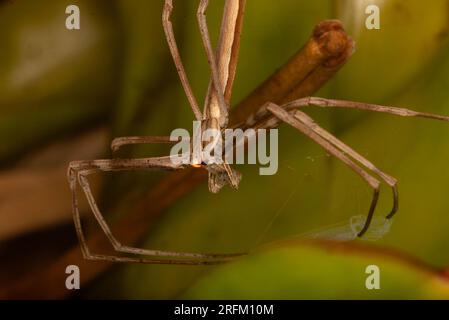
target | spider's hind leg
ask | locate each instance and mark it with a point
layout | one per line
(79, 172)
(120, 142)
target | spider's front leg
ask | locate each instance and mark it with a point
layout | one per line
(80, 170)
(120, 142)
(290, 114)
(218, 109)
(171, 40)
(307, 126)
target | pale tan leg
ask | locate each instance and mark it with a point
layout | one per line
(286, 117)
(119, 142)
(81, 169)
(389, 180)
(201, 15)
(263, 113)
(169, 33)
(332, 103)
(263, 116)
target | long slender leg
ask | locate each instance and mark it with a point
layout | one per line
(332, 103)
(116, 244)
(233, 176)
(228, 46)
(119, 142)
(71, 175)
(223, 109)
(82, 169)
(222, 112)
(309, 132)
(170, 35)
(263, 113)
(389, 180)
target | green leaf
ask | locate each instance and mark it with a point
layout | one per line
(319, 271)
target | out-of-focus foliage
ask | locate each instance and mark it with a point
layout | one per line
(53, 80)
(304, 271)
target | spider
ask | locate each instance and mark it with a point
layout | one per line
(216, 116)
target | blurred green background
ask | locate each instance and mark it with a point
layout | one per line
(64, 94)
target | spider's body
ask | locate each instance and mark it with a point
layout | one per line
(216, 116)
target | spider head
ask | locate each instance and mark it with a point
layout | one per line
(221, 175)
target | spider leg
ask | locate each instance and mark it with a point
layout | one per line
(119, 142)
(263, 113)
(98, 257)
(222, 76)
(290, 119)
(228, 48)
(332, 103)
(71, 176)
(389, 180)
(171, 40)
(80, 170)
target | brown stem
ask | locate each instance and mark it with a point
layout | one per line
(306, 72)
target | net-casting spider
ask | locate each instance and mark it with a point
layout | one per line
(215, 116)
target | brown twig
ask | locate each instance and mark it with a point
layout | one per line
(307, 71)
(322, 56)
